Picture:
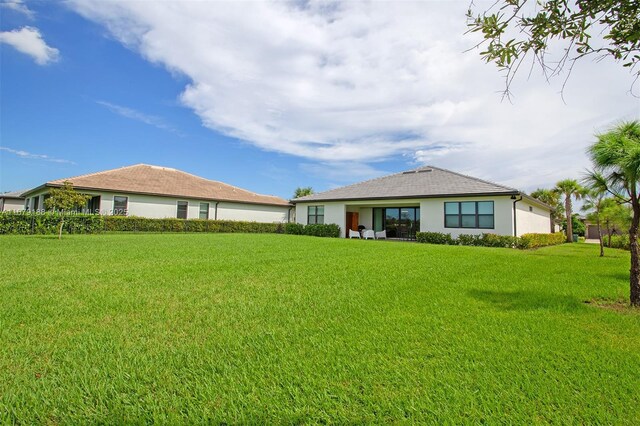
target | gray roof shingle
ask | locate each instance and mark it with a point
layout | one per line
(427, 181)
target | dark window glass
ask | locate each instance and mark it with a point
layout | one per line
(182, 209)
(120, 205)
(485, 221)
(469, 214)
(315, 215)
(204, 211)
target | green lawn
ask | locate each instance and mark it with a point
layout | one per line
(270, 329)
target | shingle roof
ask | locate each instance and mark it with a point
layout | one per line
(422, 182)
(164, 181)
(12, 194)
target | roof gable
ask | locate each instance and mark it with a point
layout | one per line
(422, 182)
(165, 181)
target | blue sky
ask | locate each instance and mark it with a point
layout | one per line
(272, 96)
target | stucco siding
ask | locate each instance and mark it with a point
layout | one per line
(531, 218)
(251, 212)
(432, 216)
(334, 212)
(157, 207)
(431, 213)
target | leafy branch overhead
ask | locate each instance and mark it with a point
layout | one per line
(513, 30)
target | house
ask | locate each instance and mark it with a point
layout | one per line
(11, 201)
(426, 199)
(161, 192)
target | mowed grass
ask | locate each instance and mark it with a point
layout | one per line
(272, 329)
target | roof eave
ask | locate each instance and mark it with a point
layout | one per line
(406, 197)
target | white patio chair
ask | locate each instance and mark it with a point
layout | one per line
(369, 234)
(353, 234)
(381, 235)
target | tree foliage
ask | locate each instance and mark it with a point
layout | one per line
(616, 155)
(514, 30)
(551, 198)
(302, 192)
(65, 199)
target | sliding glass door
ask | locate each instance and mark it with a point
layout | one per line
(399, 222)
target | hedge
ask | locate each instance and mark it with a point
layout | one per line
(526, 241)
(143, 224)
(47, 223)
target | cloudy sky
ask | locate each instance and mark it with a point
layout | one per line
(274, 95)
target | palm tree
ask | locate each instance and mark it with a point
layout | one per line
(301, 192)
(552, 199)
(570, 188)
(616, 155)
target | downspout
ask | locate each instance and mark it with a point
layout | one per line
(215, 214)
(515, 224)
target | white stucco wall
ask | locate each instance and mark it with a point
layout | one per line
(532, 218)
(432, 214)
(11, 204)
(157, 207)
(334, 212)
(250, 212)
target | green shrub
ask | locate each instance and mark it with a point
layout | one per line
(469, 240)
(330, 230)
(528, 241)
(494, 240)
(47, 223)
(620, 241)
(294, 228)
(435, 238)
(143, 224)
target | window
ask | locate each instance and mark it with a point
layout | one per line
(35, 204)
(120, 205)
(204, 211)
(469, 214)
(182, 209)
(26, 204)
(316, 215)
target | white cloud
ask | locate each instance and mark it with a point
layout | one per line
(348, 84)
(28, 40)
(18, 6)
(30, 156)
(133, 114)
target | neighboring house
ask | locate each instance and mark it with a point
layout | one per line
(11, 201)
(161, 192)
(426, 199)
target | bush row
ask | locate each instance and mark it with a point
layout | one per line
(326, 230)
(49, 223)
(526, 241)
(143, 224)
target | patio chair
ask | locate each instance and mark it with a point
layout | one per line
(353, 234)
(381, 235)
(369, 234)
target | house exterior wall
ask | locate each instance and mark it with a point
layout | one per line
(532, 219)
(11, 204)
(158, 207)
(334, 212)
(432, 214)
(250, 212)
